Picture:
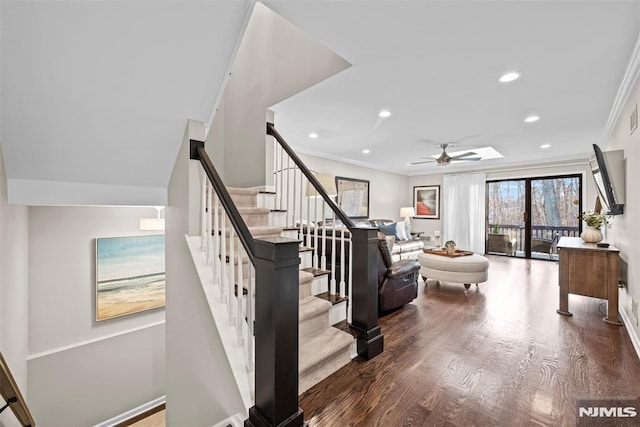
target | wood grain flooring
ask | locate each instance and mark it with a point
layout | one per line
(498, 355)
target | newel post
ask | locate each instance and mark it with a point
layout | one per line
(364, 315)
(276, 335)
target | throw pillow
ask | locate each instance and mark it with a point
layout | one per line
(389, 229)
(385, 244)
(401, 234)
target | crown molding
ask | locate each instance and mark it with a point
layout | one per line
(627, 84)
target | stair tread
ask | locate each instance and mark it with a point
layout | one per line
(333, 299)
(322, 346)
(305, 249)
(312, 306)
(316, 271)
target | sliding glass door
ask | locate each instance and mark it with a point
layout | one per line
(526, 217)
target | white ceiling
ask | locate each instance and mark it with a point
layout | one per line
(435, 66)
(100, 92)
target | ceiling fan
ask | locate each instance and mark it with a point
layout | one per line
(445, 158)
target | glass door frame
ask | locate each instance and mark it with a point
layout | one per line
(528, 228)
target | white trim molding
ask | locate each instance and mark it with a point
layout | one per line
(628, 82)
(91, 341)
(133, 412)
(633, 335)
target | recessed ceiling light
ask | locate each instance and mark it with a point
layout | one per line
(384, 113)
(366, 151)
(545, 146)
(509, 77)
(313, 135)
(532, 119)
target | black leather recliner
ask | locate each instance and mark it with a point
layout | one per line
(397, 281)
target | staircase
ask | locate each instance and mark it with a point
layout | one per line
(323, 349)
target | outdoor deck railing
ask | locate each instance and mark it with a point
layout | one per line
(546, 232)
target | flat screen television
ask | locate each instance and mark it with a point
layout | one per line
(608, 173)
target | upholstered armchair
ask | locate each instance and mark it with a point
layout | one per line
(397, 281)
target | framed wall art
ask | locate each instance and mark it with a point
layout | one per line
(353, 196)
(130, 275)
(426, 201)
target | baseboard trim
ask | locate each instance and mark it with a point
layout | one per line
(628, 324)
(91, 341)
(125, 417)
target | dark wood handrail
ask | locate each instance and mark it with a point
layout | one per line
(271, 130)
(198, 153)
(12, 396)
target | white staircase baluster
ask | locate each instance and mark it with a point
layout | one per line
(315, 255)
(281, 174)
(342, 242)
(286, 207)
(232, 319)
(209, 221)
(349, 277)
(240, 321)
(223, 256)
(215, 265)
(301, 232)
(308, 241)
(292, 221)
(250, 309)
(332, 282)
(275, 173)
(323, 259)
(203, 205)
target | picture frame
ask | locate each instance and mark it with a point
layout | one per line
(353, 197)
(130, 275)
(426, 201)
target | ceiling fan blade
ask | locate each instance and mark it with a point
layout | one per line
(460, 156)
(426, 161)
(473, 159)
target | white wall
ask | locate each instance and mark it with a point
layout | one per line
(200, 388)
(101, 369)
(275, 60)
(387, 191)
(625, 229)
(13, 290)
(535, 171)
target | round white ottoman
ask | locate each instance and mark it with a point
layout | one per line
(464, 269)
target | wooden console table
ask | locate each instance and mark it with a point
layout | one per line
(586, 269)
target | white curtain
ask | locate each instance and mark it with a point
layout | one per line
(464, 211)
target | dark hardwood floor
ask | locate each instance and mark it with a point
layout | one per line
(498, 355)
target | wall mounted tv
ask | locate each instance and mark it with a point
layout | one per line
(608, 173)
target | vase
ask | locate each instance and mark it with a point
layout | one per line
(591, 235)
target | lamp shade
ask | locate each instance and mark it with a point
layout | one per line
(407, 212)
(327, 181)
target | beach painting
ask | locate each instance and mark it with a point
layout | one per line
(130, 275)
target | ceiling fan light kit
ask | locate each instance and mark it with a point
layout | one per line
(445, 159)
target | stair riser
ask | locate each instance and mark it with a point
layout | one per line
(253, 219)
(320, 284)
(338, 313)
(318, 372)
(314, 324)
(278, 219)
(266, 200)
(244, 200)
(305, 259)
